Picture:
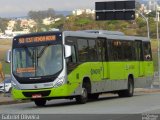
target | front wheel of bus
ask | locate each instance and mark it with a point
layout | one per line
(82, 99)
(40, 102)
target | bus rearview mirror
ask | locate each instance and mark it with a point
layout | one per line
(67, 51)
(8, 56)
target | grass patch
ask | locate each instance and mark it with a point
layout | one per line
(154, 46)
(5, 44)
(5, 41)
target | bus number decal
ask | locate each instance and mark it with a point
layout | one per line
(96, 71)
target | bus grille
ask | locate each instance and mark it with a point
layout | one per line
(43, 93)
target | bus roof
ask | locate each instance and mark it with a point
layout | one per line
(103, 34)
(90, 34)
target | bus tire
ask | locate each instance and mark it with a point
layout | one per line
(82, 99)
(130, 91)
(40, 102)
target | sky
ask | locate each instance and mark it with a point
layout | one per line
(15, 8)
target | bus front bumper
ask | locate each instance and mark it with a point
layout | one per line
(62, 91)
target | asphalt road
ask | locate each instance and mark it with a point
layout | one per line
(108, 107)
(107, 104)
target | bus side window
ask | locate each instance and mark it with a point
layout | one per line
(92, 53)
(116, 50)
(101, 49)
(147, 51)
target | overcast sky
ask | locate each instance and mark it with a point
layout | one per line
(21, 7)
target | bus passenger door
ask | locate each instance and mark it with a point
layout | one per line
(139, 57)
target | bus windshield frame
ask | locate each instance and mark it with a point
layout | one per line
(36, 54)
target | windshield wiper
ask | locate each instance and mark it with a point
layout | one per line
(28, 52)
(42, 51)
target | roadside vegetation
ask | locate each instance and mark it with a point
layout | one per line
(5, 44)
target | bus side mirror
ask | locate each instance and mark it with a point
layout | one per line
(8, 56)
(67, 51)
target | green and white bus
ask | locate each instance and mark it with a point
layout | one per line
(79, 64)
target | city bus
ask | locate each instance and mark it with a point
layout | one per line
(79, 65)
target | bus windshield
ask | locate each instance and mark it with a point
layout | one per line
(37, 61)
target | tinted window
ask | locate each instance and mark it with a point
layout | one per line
(138, 50)
(92, 50)
(82, 49)
(116, 50)
(100, 49)
(128, 50)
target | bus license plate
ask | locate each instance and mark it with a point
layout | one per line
(36, 96)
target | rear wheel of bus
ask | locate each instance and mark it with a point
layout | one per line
(40, 102)
(130, 91)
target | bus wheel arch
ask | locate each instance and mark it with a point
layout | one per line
(86, 89)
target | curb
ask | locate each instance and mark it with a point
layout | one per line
(13, 102)
(147, 90)
(7, 100)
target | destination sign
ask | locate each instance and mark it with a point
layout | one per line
(37, 39)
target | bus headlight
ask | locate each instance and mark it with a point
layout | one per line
(59, 82)
(14, 85)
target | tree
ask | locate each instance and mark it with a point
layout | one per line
(152, 14)
(3, 24)
(17, 26)
(39, 15)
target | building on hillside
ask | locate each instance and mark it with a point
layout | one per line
(48, 21)
(57, 19)
(11, 24)
(152, 5)
(143, 8)
(82, 11)
(25, 23)
(31, 23)
(11, 33)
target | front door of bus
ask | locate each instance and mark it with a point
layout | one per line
(139, 57)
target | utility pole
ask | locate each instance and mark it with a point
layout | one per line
(146, 19)
(157, 22)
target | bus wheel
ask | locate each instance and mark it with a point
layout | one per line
(93, 96)
(82, 99)
(130, 91)
(40, 102)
